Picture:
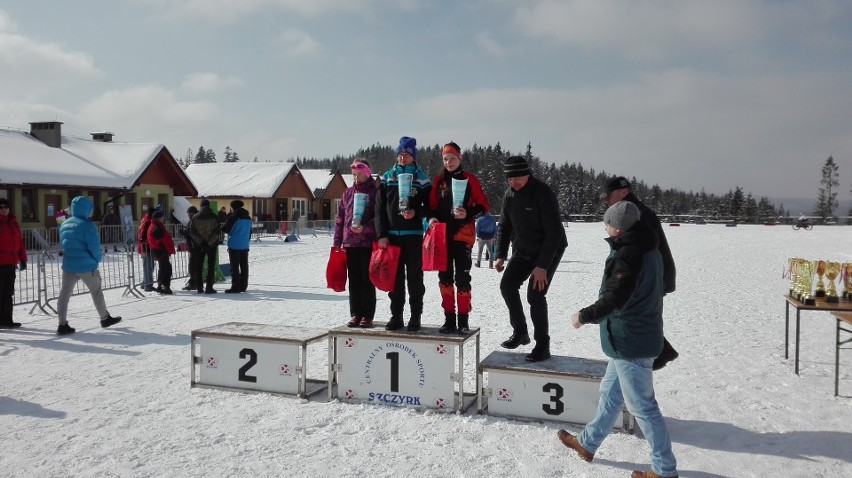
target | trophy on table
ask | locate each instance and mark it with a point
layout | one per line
(847, 281)
(803, 275)
(404, 180)
(832, 269)
(819, 268)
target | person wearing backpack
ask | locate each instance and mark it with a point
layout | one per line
(486, 229)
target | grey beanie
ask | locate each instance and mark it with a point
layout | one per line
(622, 215)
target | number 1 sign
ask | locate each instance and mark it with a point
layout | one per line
(396, 371)
(423, 369)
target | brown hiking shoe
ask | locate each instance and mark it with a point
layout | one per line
(648, 474)
(570, 441)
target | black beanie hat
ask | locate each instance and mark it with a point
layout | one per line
(236, 204)
(4, 202)
(205, 203)
(516, 166)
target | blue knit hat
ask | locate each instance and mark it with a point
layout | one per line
(407, 145)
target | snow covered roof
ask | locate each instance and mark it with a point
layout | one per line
(78, 162)
(247, 180)
(317, 179)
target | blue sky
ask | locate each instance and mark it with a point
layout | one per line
(684, 94)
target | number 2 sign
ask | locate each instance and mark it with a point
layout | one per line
(252, 365)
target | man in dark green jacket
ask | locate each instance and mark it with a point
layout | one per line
(629, 311)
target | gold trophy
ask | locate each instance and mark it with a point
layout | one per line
(819, 267)
(832, 269)
(847, 280)
(806, 280)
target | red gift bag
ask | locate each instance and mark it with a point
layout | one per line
(335, 271)
(435, 248)
(383, 264)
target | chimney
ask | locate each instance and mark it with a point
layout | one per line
(103, 137)
(48, 132)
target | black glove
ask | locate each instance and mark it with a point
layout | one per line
(23, 265)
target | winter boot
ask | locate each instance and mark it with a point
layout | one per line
(414, 323)
(463, 327)
(109, 321)
(395, 323)
(540, 352)
(449, 323)
(355, 321)
(366, 323)
(65, 329)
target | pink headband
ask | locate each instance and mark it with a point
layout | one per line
(363, 168)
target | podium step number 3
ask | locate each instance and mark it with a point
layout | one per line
(562, 389)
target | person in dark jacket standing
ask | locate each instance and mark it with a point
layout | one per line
(112, 227)
(161, 246)
(205, 231)
(12, 253)
(618, 189)
(238, 229)
(82, 254)
(399, 222)
(629, 314)
(191, 212)
(356, 236)
(530, 223)
(461, 234)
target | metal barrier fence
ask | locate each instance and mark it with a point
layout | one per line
(281, 230)
(120, 266)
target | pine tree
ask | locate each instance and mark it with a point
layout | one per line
(228, 154)
(200, 156)
(827, 199)
(210, 156)
(187, 158)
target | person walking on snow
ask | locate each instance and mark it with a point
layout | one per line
(82, 254)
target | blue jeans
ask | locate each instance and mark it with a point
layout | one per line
(147, 271)
(631, 382)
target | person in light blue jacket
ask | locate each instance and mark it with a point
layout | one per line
(81, 255)
(238, 229)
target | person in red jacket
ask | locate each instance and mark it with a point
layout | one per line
(460, 235)
(12, 253)
(161, 246)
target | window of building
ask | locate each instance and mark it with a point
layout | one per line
(299, 206)
(29, 205)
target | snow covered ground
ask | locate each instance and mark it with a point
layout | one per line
(117, 402)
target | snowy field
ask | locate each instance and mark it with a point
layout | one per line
(117, 402)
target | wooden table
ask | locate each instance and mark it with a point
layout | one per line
(844, 319)
(844, 305)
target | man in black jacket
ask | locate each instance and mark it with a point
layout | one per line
(205, 232)
(618, 189)
(530, 222)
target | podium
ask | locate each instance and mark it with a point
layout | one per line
(423, 369)
(562, 389)
(254, 357)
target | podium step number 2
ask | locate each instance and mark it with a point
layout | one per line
(257, 357)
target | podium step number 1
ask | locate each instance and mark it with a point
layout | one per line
(399, 368)
(256, 357)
